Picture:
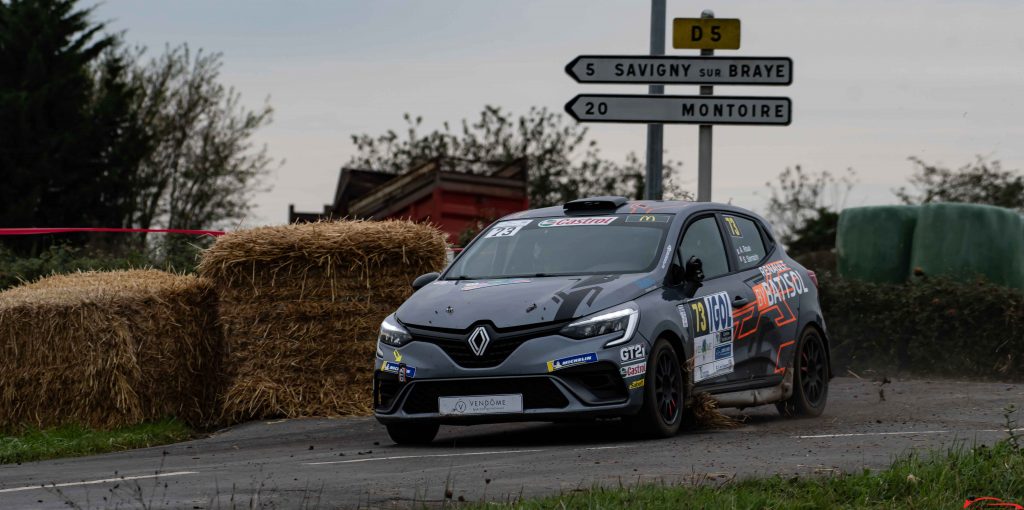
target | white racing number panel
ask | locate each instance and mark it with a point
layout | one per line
(710, 321)
(507, 228)
(480, 404)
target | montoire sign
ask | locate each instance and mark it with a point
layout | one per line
(748, 110)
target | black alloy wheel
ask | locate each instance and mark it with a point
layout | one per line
(662, 411)
(666, 386)
(810, 384)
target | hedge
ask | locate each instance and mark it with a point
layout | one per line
(930, 327)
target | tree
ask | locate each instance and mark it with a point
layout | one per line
(52, 172)
(92, 136)
(563, 163)
(203, 167)
(979, 182)
(804, 206)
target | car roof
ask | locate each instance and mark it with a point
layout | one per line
(633, 207)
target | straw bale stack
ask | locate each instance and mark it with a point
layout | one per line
(300, 308)
(106, 349)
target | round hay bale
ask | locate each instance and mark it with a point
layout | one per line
(300, 308)
(108, 349)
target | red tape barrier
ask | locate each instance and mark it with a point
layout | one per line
(36, 231)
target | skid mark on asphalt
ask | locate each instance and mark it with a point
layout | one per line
(465, 454)
(93, 482)
(403, 457)
(906, 433)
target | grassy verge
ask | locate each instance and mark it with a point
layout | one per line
(939, 480)
(74, 441)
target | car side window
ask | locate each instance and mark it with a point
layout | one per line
(703, 240)
(748, 247)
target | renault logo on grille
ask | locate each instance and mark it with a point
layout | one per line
(478, 341)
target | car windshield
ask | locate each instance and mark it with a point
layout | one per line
(578, 245)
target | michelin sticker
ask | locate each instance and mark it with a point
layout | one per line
(637, 384)
(507, 228)
(401, 369)
(711, 321)
(571, 361)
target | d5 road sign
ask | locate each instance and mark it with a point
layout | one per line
(706, 33)
(682, 70)
(767, 111)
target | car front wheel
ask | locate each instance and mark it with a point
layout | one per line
(810, 378)
(662, 411)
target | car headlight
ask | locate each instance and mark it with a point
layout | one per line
(623, 320)
(392, 333)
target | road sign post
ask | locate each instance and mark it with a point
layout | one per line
(704, 131)
(655, 132)
(707, 34)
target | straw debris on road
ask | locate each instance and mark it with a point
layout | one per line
(108, 349)
(300, 309)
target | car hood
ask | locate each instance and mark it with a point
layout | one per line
(512, 302)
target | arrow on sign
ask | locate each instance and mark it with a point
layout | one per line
(681, 70)
(770, 111)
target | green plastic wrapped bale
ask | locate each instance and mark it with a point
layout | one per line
(873, 244)
(967, 240)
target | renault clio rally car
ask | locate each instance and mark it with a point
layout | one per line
(605, 308)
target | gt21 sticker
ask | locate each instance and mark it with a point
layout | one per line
(632, 353)
(571, 361)
(507, 228)
(710, 321)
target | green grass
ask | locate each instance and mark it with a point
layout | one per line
(938, 480)
(74, 441)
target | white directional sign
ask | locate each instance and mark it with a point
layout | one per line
(682, 70)
(680, 109)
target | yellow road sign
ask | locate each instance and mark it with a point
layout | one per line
(706, 33)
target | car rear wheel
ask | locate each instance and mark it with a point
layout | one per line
(662, 412)
(413, 433)
(810, 378)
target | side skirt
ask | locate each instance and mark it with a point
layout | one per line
(758, 396)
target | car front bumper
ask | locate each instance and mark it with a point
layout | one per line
(596, 388)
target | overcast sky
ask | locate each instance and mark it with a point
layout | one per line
(874, 81)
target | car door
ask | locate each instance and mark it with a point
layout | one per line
(764, 316)
(707, 316)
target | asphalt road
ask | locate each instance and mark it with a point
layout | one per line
(321, 463)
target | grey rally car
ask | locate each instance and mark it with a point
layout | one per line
(605, 308)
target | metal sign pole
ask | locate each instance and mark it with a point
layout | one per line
(704, 138)
(655, 132)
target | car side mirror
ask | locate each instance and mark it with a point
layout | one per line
(423, 279)
(693, 276)
(694, 270)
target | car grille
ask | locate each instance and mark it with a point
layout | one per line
(503, 342)
(538, 392)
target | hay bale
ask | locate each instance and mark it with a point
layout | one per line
(107, 349)
(300, 308)
(707, 415)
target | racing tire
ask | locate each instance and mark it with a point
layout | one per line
(413, 433)
(662, 412)
(810, 378)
